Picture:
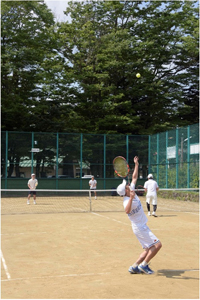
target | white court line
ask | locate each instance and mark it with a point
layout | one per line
(110, 219)
(129, 224)
(177, 210)
(120, 221)
(56, 276)
(187, 212)
(23, 233)
(5, 267)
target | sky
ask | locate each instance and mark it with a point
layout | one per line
(57, 8)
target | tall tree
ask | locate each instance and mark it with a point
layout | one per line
(29, 66)
(80, 75)
(109, 42)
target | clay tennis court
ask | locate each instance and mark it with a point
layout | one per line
(85, 255)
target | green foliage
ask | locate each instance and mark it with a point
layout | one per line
(173, 175)
(80, 76)
(183, 196)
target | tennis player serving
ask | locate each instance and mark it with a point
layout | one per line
(133, 207)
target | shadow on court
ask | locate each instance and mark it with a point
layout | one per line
(166, 216)
(176, 274)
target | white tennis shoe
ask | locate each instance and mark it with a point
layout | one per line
(154, 214)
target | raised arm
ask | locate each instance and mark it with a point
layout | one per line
(135, 172)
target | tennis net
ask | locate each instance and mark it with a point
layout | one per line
(14, 201)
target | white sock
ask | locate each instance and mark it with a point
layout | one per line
(135, 265)
(144, 263)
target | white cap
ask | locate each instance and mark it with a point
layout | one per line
(150, 176)
(121, 189)
(33, 174)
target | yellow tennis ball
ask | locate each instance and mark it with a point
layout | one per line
(138, 75)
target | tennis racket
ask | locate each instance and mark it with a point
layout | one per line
(121, 167)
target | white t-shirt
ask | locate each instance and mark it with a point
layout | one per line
(92, 184)
(32, 183)
(136, 215)
(151, 186)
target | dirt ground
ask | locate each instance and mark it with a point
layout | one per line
(87, 255)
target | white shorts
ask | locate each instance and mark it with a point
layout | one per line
(152, 197)
(146, 238)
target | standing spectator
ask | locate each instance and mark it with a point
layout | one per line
(93, 186)
(32, 183)
(151, 188)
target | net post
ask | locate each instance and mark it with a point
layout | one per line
(90, 199)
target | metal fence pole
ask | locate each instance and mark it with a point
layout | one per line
(127, 149)
(157, 158)
(6, 162)
(166, 161)
(104, 162)
(177, 160)
(81, 159)
(57, 153)
(149, 155)
(188, 156)
(32, 146)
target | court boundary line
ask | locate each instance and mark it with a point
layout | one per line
(185, 212)
(55, 276)
(110, 218)
(86, 274)
(23, 233)
(129, 224)
(5, 267)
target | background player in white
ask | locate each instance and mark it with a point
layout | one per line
(32, 183)
(151, 188)
(93, 186)
(133, 207)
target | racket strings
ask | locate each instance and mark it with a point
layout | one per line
(121, 167)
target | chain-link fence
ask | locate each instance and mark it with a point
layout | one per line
(174, 157)
(67, 160)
